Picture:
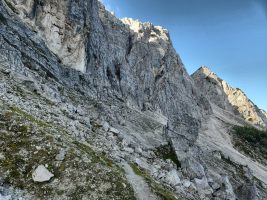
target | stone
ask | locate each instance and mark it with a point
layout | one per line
(61, 155)
(2, 156)
(138, 150)
(114, 130)
(217, 155)
(38, 148)
(172, 178)
(186, 183)
(5, 71)
(128, 149)
(41, 174)
(106, 126)
(193, 169)
(228, 189)
(214, 185)
(203, 188)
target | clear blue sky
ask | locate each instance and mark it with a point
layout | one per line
(229, 36)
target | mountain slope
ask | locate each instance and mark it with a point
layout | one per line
(228, 98)
(115, 97)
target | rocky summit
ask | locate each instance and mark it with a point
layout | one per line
(234, 100)
(95, 107)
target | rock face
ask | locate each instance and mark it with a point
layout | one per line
(228, 98)
(41, 174)
(89, 94)
(62, 25)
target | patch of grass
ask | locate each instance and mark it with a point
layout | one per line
(251, 141)
(251, 135)
(29, 117)
(96, 158)
(156, 187)
(22, 133)
(167, 152)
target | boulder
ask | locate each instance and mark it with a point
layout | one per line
(173, 178)
(41, 174)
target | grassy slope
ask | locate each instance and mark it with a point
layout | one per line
(252, 142)
(26, 142)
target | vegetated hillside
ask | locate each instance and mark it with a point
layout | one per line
(93, 107)
(252, 142)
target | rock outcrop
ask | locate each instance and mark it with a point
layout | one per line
(228, 98)
(90, 94)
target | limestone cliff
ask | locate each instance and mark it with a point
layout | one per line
(101, 104)
(228, 98)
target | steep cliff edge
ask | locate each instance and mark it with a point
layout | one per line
(103, 103)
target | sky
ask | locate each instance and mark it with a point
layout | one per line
(228, 36)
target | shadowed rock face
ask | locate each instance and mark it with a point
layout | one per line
(228, 98)
(85, 79)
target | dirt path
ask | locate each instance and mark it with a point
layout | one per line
(141, 188)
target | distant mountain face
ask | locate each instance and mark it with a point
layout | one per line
(228, 98)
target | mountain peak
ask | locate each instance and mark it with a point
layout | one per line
(205, 70)
(204, 67)
(223, 95)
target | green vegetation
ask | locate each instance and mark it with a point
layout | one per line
(26, 142)
(167, 152)
(251, 141)
(97, 158)
(157, 188)
(20, 153)
(29, 117)
(252, 135)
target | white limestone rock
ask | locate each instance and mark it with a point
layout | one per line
(186, 183)
(114, 130)
(173, 178)
(203, 188)
(2, 156)
(41, 174)
(228, 189)
(193, 169)
(61, 155)
(106, 126)
(217, 155)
